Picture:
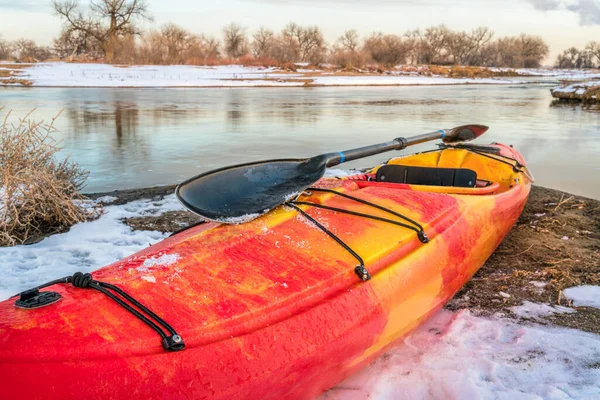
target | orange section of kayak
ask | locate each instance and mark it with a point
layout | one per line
(269, 309)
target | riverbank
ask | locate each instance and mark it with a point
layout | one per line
(58, 74)
(587, 92)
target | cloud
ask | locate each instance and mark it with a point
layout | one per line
(588, 10)
(545, 5)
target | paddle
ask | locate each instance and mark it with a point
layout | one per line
(240, 193)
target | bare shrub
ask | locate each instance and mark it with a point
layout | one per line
(346, 51)
(235, 40)
(389, 50)
(38, 193)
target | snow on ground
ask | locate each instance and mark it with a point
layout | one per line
(536, 311)
(461, 356)
(566, 74)
(451, 356)
(578, 88)
(584, 296)
(86, 247)
(102, 75)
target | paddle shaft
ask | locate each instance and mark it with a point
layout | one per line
(334, 159)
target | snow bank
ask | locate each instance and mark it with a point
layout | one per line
(460, 356)
(86, 247)
(566, 74)
(577, 89)
(102, 75)
(584, 296)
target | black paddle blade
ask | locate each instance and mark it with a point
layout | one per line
(243, 192)
(464, 133)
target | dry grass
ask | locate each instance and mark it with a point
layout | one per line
(38, 193)
(9, 75)
(15, 81)
(592, 95)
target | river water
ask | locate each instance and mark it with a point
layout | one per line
(131, 138)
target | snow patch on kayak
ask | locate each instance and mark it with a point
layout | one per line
(584, 296)
(461, 356)
(333, 172)
(537, 310)
(86, 247)
(149, 278)
(164, 260)
(239, 220)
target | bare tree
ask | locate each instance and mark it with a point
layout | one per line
(346, 50)
(263, 42)
(235, 41)
(6, 49)
(594, 49)
(308, 42)
(202, 50)
(458, 46)
(533, 50)
(27, 50)
(435, 42)
(414, 43)
(72, 42)
(105, 20)
(176, 41)
(479, 38)
(349, 41)
(575, 58)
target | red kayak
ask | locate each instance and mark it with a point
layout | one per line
(285, 306)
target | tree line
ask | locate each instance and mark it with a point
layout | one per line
(106, 30)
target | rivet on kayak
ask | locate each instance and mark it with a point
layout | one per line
(362, 273)
(423, 237)
(177, 338)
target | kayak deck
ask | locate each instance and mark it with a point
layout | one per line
(275, 299)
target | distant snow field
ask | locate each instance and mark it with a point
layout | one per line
(451, 356)
(102, 75)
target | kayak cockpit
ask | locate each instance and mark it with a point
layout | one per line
(465, 170)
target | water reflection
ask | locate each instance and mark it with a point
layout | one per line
(141, 137)
(126, 122)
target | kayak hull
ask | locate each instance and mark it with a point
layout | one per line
(279, 319)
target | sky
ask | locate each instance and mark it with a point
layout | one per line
(562, 23)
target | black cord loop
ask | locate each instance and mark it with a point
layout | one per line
(170, 342)
(417, 226)
(360, 269)
(480, 150)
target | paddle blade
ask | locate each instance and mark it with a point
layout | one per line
(464, 133)
(240, 193)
